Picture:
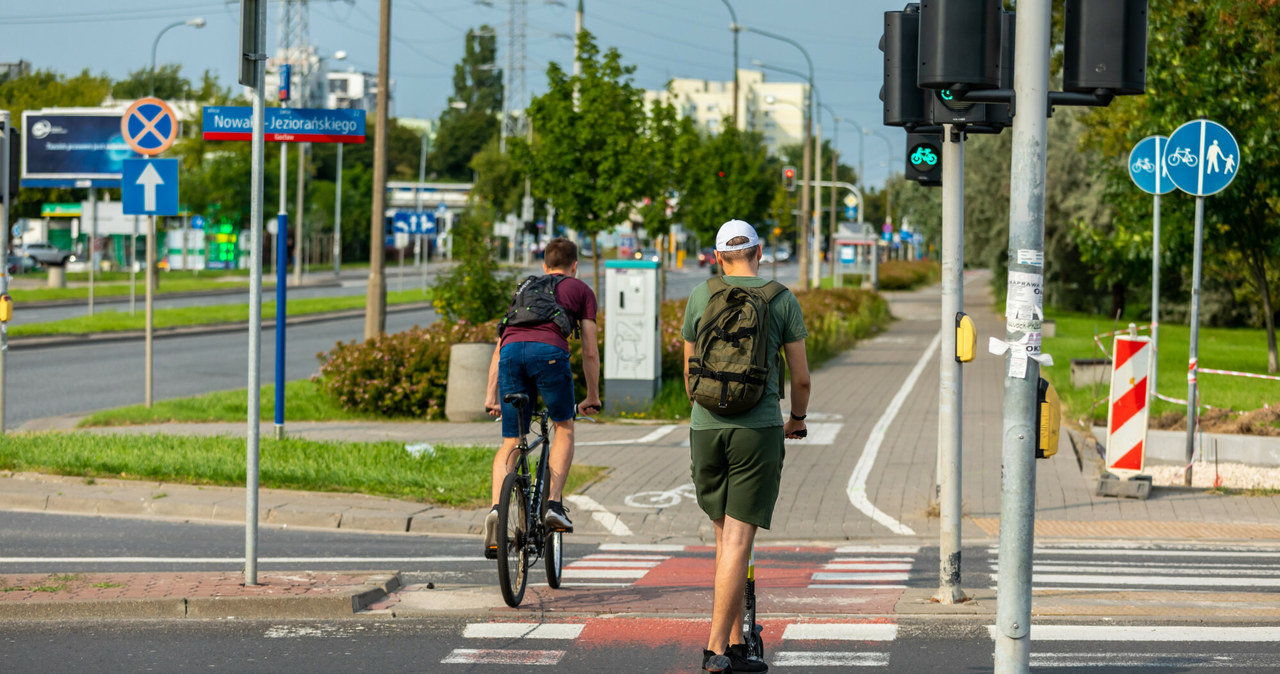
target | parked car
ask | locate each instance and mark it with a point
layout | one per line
(19, 263)
(47, 253)
(706, 256)
(648, 254)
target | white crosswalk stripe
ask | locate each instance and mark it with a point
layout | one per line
(1130, 567)
(512, 631)
(828, 637)
(610, 570)
(866, 567)
(1115, 647)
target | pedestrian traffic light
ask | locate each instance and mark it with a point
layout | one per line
(966, 338)
(904, 102)
(789, 178)
(1105, 46)
(924, 159)
(959, 43)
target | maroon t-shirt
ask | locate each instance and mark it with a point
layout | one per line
(576, 297)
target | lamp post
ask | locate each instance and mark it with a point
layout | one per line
(197, 22)
(734, 28)
(888, 196)
(337, 198)
(808, 134)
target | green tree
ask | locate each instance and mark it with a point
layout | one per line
(498, 180)
(729, 178)
(1216, 59)
(588, 157)
(475, 108)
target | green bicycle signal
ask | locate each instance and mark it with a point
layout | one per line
(946, 94)
(923, 154)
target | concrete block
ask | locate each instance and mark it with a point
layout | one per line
(1138, 487)
(302, 516)
(177, 507)
(1090, 371)
(375, 520)
(1048, 328)
(31, 501)
(468, 381)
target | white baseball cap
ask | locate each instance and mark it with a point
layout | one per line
(732, 230)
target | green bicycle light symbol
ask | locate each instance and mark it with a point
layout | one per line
(946, 94)
(924, 155)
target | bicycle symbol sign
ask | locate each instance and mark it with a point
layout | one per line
(149, 126)
(1148, 154)
(924, 155)
(1203, 157)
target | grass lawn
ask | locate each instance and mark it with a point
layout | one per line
(454, 476)
(1238, 349)
(116, 321)
(304, 401)
(168, 284)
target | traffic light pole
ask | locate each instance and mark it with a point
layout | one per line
(950, 379)
(1022, 334)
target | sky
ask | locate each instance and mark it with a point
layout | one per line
(662, 38)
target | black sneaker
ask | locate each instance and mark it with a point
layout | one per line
(491, 534)
(713, 662)
(744, 661)
(557, 518)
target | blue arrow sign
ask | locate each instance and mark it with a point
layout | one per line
(414, 222)
(1145, 157)
(197, 222)
(149, 186)
(1203, 157)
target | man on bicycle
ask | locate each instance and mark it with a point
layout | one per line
(533, 358)
(737, 459)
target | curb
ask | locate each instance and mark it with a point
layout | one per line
(343, 604)
(216, 328)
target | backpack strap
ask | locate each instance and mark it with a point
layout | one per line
(771, 290)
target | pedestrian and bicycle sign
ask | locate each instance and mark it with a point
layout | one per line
(1202, 157)
(149, 126)
(1144, 159)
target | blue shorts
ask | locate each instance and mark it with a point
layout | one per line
(537, 370)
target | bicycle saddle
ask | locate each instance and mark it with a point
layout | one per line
(517, 399)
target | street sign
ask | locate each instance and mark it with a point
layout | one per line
(149, 126)
(1202, 158)
(414, 222)
(150, 187)
(850, 200)
(72, 147)
(850, 212)
(197, 222)
(289, 125)
(1145, 157)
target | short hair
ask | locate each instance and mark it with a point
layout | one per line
(560, 253)
(739, 255)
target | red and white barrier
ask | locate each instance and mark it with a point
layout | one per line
(1128, 411)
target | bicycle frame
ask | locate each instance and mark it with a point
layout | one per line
(533, 514)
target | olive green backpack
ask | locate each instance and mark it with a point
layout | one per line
(730, 362)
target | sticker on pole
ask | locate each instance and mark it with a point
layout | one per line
(1144, 160)
(1128, 411)
(1202, 157)
(149, 126)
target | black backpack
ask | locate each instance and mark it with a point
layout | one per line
(731, 353)
(535, 304)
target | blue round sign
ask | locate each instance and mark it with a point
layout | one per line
(1144, 160)
(1202, 157)
(197, 222)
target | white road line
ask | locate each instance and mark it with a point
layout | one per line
(640, 547)
(1154, 569)
(851, 560)
(238, 560)
(607, 564)
(846, 586)
(1189, 582)
(606, 519)
(840, 632)
(1137, 551)
(1178, 661)
(641, 558)
(571, 572)
(857, 488)
(866, 566)
(522, 631)
(656, 435)
(828, 659)
(568, 584)
(1149, 633)
(881, 549)
(859, 576)
(476, 656)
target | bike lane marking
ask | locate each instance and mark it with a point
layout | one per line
(857, 488)
(654, 436)
(600, 514)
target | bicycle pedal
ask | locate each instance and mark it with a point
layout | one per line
(491, 553)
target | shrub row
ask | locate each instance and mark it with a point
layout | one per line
(901, 274)
(406, 374)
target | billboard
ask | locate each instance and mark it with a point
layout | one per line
(73, 147)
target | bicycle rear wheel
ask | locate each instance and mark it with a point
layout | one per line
(554, 554)
(513, 560)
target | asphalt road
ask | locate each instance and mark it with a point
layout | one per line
(79, 379)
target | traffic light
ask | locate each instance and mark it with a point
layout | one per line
(904, 103)
(924, 159)
(959, 43)
(789, 178)
(946, 110)
(1105, 46)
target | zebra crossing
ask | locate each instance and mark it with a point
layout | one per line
(860, 567)
(616, 565)
(1117, 567)
(1165, 647)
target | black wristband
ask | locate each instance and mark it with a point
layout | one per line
(798, 418)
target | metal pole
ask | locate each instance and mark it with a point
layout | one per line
(93, 239)
(337, 219)
(815, 256)
(5, 149)
(806, 171)
(255, 313)
(297, 212)
(1192, 365)
(375, 317)
(951, 376)
(733, 28)
(1026, 249)
(282, 291)
(133, 266)
(417, 207)
(150, 279)
(831, 245)
(1155, 286)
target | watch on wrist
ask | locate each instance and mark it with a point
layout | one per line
(798, 418)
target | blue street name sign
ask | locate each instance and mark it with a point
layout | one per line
(414, 222)
(149, 187)
(1144, 159)
(288, 125)
(1203, 157)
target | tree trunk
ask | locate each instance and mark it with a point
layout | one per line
(1117, 299)
(1258, 277)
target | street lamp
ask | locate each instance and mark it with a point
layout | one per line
(888, 196)
(197, 22)
(733, 28)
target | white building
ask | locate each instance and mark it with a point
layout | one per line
(774, 109)
(333, 89)
(354, 90)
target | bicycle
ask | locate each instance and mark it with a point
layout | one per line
(1182, 155)
(523, 539)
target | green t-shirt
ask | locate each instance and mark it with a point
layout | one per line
(786, 325)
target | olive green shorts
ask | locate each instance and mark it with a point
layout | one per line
(736, 472)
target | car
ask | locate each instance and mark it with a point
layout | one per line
(706, 256)
(47, 253)
(648, 254)
(19, 263)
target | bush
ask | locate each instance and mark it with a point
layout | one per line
(908, 274)
(472, 291)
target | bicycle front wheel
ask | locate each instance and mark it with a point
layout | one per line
(555, 558)
(513, 560)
